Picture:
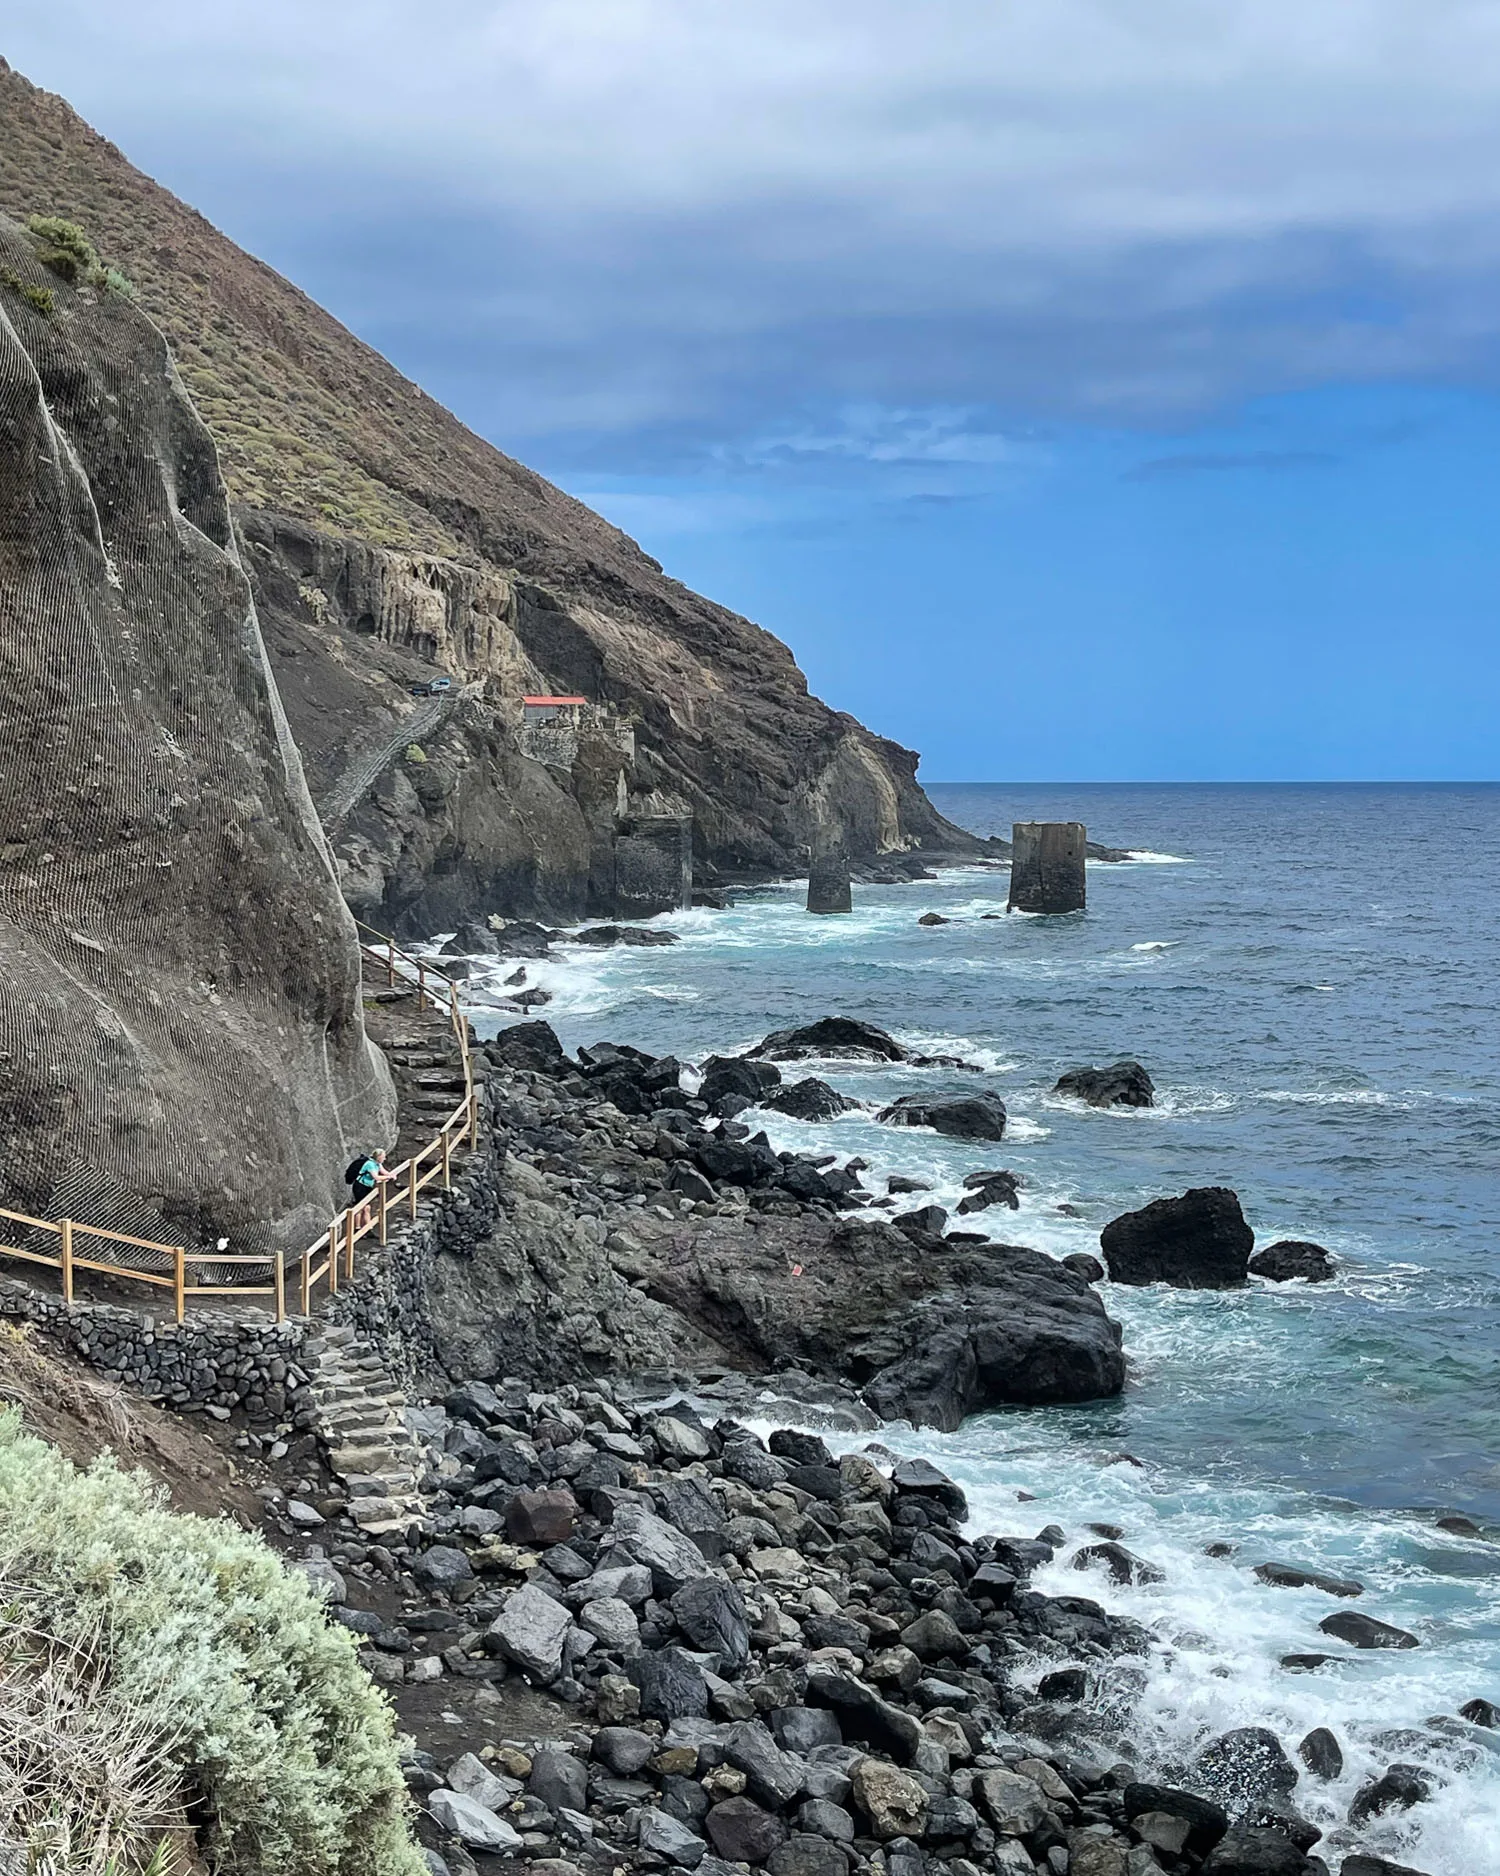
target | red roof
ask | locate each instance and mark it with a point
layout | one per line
(554, 700)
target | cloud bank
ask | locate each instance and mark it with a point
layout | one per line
(640, 224)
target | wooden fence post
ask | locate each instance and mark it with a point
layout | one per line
(381, 1190)
(390, 961)
(447, 1161)
(474, 1119)
(411, 1187)
(179, 1280)
(307, 1281)
(333, 1258)
(349, 1245)
(279, 1272)
(66, 1229)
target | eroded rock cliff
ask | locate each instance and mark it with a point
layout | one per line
(182, 1050)
(386, 544)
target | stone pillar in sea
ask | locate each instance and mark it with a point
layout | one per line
(1047, 866)
(828, 879)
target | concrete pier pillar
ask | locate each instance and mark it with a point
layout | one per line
(828, 881)
(1047, 866)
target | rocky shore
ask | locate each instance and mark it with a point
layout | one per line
(626, 1632)
(634, 1636)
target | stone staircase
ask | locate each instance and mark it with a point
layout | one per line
(362, 1423)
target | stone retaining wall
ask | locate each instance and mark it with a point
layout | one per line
(214, 1362)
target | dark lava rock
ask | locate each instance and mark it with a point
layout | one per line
(808, 1099)
(802, 1729)
(808, 1854)
(1293, 1576)
(1250, 1850)
(1289, 1258)
(828, 888)
(802, 1449)
(691, 1183)
(825, 1482)
(863, 1716)
(474, 939)
(1123, 1565)
(1070, 1684)
(1363, 1631)
(984, 1189)
(623, 935)
(731, 1076)
(623, 1749)
(541, 1517)
(1376, 1866)
(1397, 1789)
(830, 1037)
(926, 1222)
(899, 1183)
(921, 1477)
(1244, 1766)
(1033, 1334)
(672, 1685)
(1480, 1713)
(1458, 1525)
(528, 1045)
(1085, 1266)
(962, 1117)
(1122, 1084)
(442, 1567)
(1306, 1664)
(1321, 1753)
(934, 918)
(742, 1832)
(1206, 1822)
(558, 1779)
(1199, 1241)
(711, 1614)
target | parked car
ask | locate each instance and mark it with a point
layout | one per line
(433, 688)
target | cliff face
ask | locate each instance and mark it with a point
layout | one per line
(386, 544)
(182, 1051)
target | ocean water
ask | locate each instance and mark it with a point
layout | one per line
(1309, 975)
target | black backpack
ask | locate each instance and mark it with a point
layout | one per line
(354, 1169)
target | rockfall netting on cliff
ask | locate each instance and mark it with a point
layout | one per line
(182, 1049)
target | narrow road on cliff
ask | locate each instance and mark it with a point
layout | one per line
(352, 786)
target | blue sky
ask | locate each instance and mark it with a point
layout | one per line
(1085, 389)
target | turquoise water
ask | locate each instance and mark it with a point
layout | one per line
(1308, 973)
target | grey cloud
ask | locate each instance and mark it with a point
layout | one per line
(645, 225)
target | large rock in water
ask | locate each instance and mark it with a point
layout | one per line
(1122, 1084)
(1291, 1258)
(963, 1116)
(832, 1036)
(809, 1099)
(173, 942)
(930, 1331)
(1198, 1242)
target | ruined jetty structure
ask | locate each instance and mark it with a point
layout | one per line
(1047, 872)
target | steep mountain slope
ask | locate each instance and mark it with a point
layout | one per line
(182, 1050)
(386, 541)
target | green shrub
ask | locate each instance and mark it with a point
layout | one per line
(415, 753)
(115, 281)
(64, 247)
(222, 1654)
(40, 299)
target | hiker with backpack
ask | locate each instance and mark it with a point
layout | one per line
(363, 1174)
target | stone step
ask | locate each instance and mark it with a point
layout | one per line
(397, 1484)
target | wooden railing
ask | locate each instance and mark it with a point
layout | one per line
(329, 1259)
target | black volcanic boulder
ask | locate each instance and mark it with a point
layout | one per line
(1030, 1333)
(983, 1189)
(528, 1045)
(808, 1099)
(729, 1079)
(832, 1036)
(1122, 1084)
(1197, 1242)
(962, 1116)
(623, 935)
(1290, 1258)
